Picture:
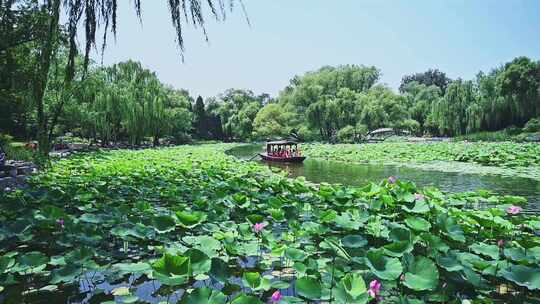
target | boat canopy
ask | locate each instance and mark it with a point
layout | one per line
(281, 143)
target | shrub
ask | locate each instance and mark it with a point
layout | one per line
(512, 130)
(5, 140)
(532, 125)
(346, 134)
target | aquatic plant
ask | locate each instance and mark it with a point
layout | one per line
(506, 158)
(180, 222)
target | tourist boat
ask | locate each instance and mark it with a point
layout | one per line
(282, 151)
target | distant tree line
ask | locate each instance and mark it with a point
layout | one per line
(128, 103)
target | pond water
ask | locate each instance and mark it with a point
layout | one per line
(319, 170)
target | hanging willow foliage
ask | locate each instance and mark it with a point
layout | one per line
(103, 14)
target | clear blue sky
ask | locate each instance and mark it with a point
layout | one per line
(290, 37)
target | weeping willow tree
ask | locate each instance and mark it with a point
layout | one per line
(126, 102)
(94, 17)
(451, 112)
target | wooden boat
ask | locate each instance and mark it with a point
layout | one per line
(274, 147)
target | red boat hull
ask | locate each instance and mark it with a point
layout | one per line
(293, 159)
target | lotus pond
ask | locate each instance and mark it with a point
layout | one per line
(194, 225)
(460, 178)
(501, 158)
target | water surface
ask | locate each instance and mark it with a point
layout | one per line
(355, 174)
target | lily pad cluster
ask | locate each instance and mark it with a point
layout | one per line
(193, 225)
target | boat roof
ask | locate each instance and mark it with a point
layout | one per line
(282, 142)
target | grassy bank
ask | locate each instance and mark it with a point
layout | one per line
(505, 158)
(160, 222)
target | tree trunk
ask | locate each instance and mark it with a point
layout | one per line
(40, 82)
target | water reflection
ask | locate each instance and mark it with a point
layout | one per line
(319, 171)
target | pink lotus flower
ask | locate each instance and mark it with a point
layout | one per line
(392, 179)
(500, 243)
(60, 222)
(374, 288)
(258, 227)
(419, 197)
(276, 296)
(514, 210)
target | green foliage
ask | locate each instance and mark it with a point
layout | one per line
(184, 215)
(237, 110)
(432, 77)
(533, 125)
(272, 121)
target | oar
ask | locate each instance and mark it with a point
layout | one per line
(253, 157)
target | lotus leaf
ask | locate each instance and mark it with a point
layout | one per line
(491, 251)
(422, 274)
(204, 296)
(308, 288)
(383, 267)
(523, 276)
(163, 223)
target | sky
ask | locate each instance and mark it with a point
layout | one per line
(291, 37)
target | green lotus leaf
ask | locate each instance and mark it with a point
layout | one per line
(255, 218)
(333, 246)
(449, 262)
(347, 220)
(66, 274)
(277, 214)
(33, 259)
(328, 216)
(411, 301)
(190, 219)
(450, 228)
(417, 223)
(419, 206)
(133, 268)
(354, 285)
(491, 251)
(308, 288)
(398, 249)
(518, 254)
(91, 218)
(208, 245)
(163, 223)
(204, 296)
(252, 279)
(353, 241)
(523, 276)
(383, 267)
(6, 263)
(422, 275)
(434, 242)
(219, 270)
(295, 254)
(172, 265)
(245, 299)
(279, 284)
(199, 262)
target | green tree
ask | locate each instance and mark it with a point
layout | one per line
(95, 15)
(451, 112)
(428, 78)
(519, 84)
(272, 121)
(200, 120)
